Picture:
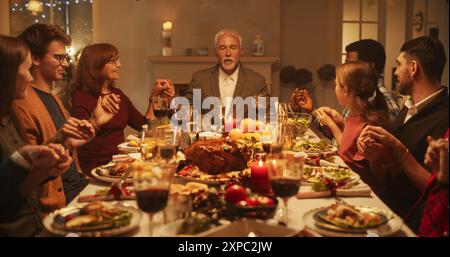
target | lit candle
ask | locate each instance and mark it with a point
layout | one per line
(167, 26)
(230, 124)
(259, 180)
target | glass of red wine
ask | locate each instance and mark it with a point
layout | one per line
(152, 184)
(285, 174)
(161, 107)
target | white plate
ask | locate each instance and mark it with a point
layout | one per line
(125, 148)
(325, 153)
(133, 137)
(250, 228)
(170, 230)
(216, 182)
(209, 135)
(352, 180)
(96, 174)
(212, 182)
(136, 156)
(391, 227)
(242, 228)
(134, 223)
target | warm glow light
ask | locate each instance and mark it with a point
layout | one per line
(71, 51)
(167, 25)
(35, 7)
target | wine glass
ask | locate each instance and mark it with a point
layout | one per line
(148, 148)
(286, 136)
(282, 111)
(160, 107)
(168, 139)
(152, 184)
(266, 140)
(285, 174)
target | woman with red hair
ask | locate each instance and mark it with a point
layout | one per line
(97, 71)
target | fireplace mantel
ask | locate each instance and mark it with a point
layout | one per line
(180, 68)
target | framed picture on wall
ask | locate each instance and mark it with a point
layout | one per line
(433, 31)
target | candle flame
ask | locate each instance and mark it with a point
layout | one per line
(260, 163)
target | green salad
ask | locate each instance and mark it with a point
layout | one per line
(307, 146)
(300, 125)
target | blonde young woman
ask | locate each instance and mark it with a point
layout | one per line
(356, 89)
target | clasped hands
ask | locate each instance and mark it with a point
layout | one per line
(301, 99)
(46, 160)
(162, 88)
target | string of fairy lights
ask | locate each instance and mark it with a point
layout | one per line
(22, 6)
(40, 8)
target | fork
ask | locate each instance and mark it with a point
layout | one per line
(124, 177)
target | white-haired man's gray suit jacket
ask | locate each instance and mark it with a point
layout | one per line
(249, 83)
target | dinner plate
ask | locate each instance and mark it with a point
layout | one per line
(136, 156)
(125, 148)
(210, 182)
(391, 225)
(56, 227)
(353, 179)
(332, 151)
(171, 229)
(98, 173)
(209, 135)
(213, 181)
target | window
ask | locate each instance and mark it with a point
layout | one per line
(359, 21)
(74, 16)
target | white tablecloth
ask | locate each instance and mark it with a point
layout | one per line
(298, 207)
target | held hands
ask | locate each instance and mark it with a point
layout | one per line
(110, 103)
(47, 160)
(376, 144)
(373, 133)
(436, 156)
(77, 132)
(64, 162)
(163, 88)
(301, 99)
(107, 107)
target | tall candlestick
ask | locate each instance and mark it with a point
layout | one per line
(167, 39)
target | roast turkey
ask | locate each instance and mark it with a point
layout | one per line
(216, 156)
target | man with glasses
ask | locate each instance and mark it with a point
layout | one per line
(42, 116)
